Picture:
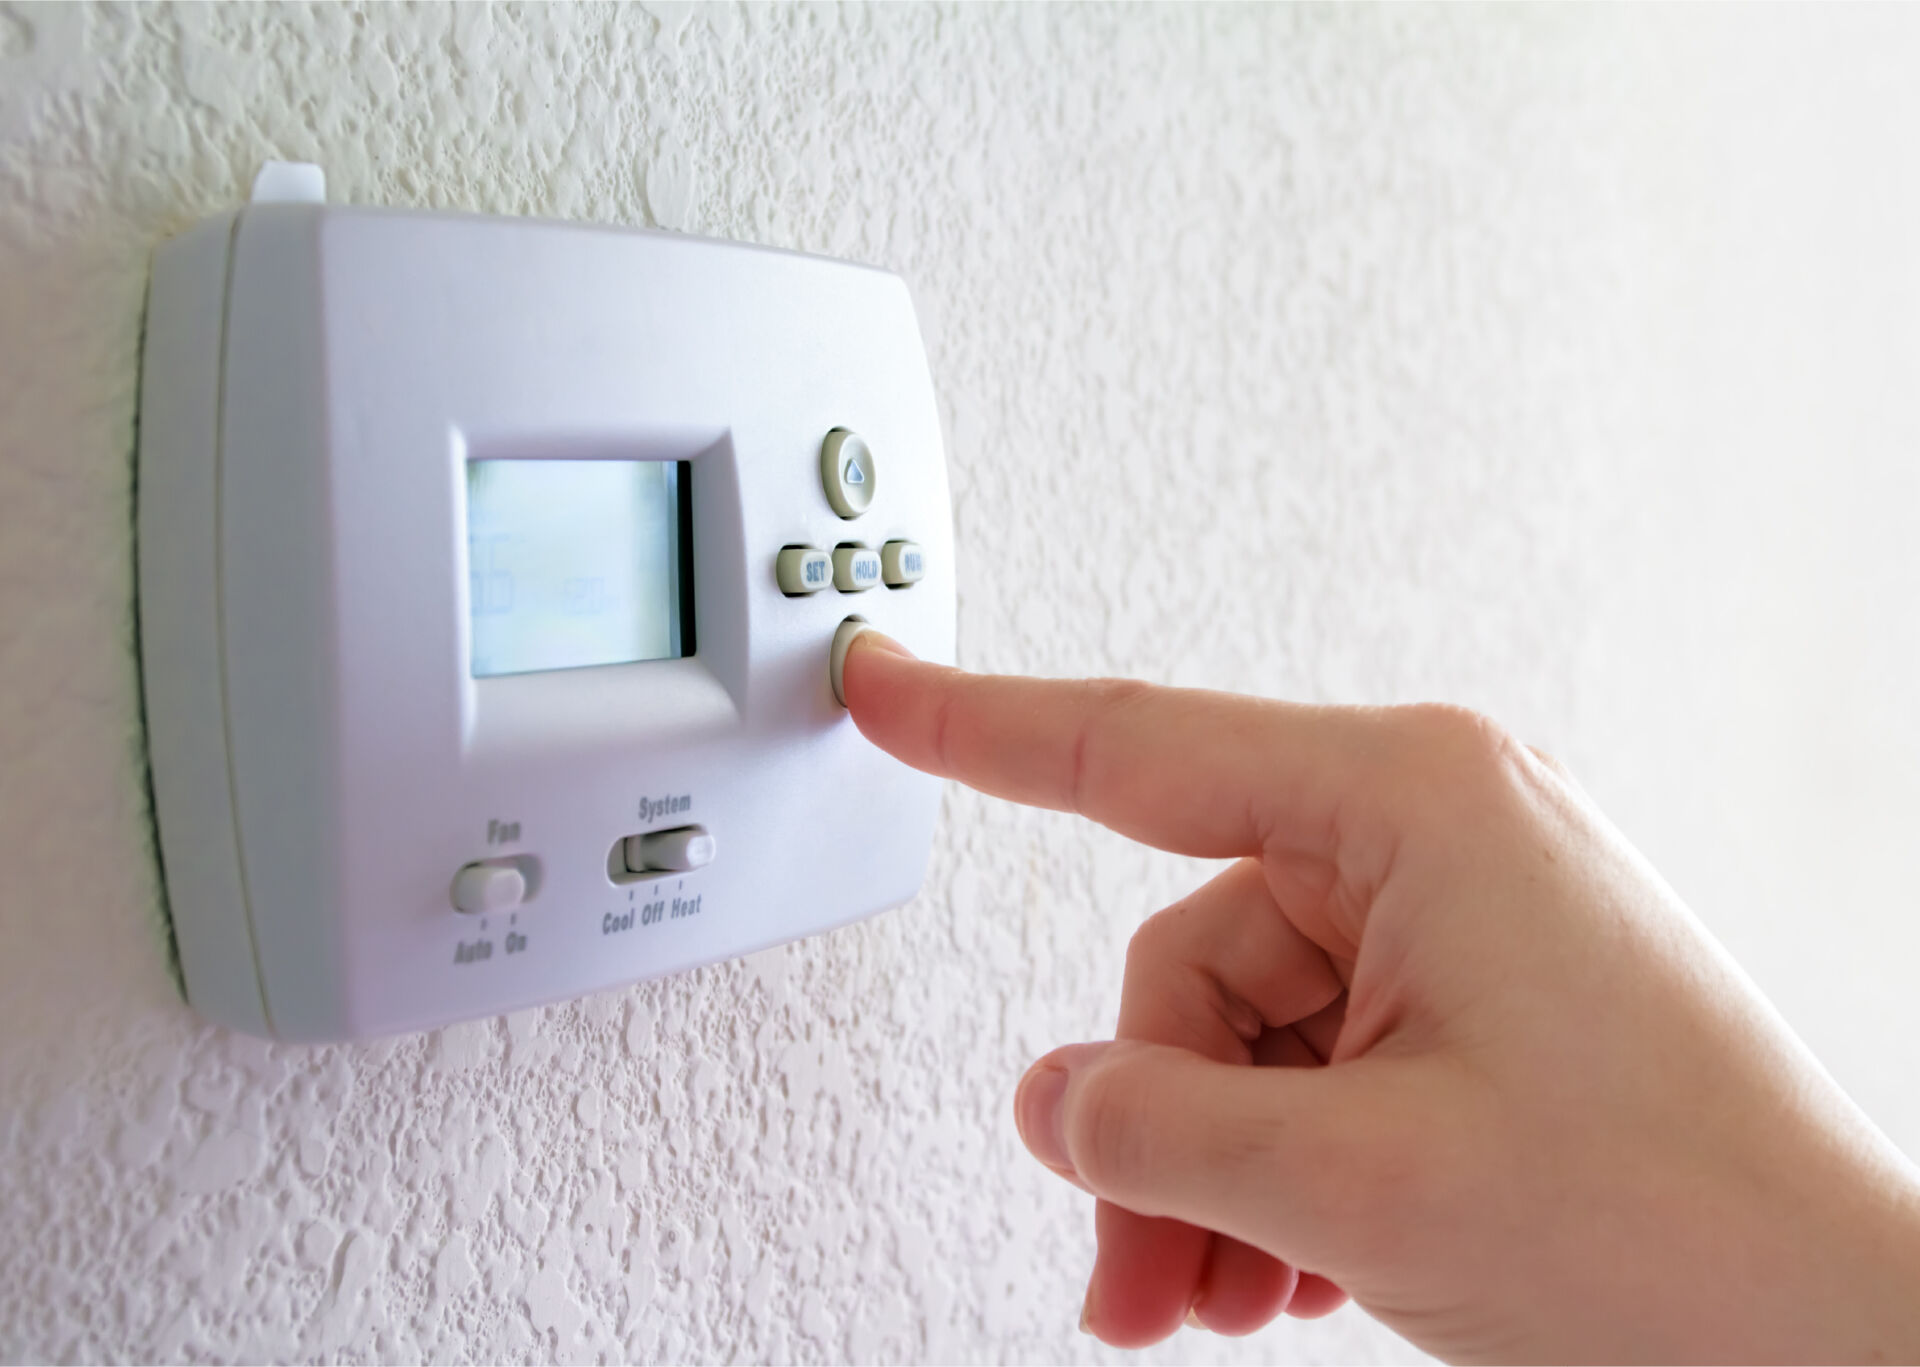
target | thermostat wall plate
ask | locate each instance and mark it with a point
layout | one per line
(490, 571)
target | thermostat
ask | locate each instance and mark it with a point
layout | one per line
(490, 572)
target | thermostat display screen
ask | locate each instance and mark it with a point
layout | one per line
(577, 562)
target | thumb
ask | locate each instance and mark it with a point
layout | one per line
(1295, 1161)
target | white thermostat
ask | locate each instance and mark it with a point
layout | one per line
(490, 575)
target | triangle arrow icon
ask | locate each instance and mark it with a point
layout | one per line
(855, 475)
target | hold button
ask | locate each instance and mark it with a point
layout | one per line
(855, 568)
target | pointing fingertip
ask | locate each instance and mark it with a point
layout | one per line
(879, 640)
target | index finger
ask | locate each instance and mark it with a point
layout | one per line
(1210, 774)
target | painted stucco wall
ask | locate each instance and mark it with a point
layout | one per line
(1556, 361)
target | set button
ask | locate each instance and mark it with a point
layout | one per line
(802, 569)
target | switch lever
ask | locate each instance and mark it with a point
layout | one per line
(680, 850)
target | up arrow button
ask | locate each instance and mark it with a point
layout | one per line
(847, 472)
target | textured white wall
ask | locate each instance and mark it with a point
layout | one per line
(1560, 362)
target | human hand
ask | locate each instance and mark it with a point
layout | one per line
(1440, 1035)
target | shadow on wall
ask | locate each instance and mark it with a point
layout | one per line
(149, 1154)
(162, 921)
(89, 967)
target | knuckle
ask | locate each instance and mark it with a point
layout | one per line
(1379, 1175)
(1454, 726)
(1104, 699)
(1372, 1166)
(1460, 740)
(1106, 1135)
(1115, 695)
(1381, 1187)
(1153, 941)
(1554, 765)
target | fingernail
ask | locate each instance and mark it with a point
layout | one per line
(1037, 1111)
(1086, 1313)
(1193, 1320)
(870, 637)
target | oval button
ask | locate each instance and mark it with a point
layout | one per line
(902, 563)
(855, 569)
(846, 472)
(837, 656)
(802, 570)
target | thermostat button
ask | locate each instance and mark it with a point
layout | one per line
(801, 569)
(837, 658)
(481, 888)
(855, 569)
(680, 850)
(846, 469)
(902, 563)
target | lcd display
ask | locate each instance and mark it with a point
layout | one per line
(578, 562)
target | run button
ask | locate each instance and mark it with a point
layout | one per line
(902, 563)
